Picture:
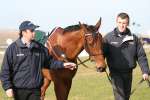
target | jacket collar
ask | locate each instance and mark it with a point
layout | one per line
(120, 34)
(33, 44)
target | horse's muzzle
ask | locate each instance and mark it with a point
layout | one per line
(101, 69)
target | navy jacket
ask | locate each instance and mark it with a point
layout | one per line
(122, 50)
(21, 67)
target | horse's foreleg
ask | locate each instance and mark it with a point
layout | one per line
(62, 88)
(46, 73)
(44, 87)
(46, 82)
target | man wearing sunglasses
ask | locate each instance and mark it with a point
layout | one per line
(21, 72)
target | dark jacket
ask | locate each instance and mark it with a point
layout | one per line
(21, 67)
(122, 50)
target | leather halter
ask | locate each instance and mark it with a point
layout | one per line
(86, 46)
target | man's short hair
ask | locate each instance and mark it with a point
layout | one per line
(123, 15)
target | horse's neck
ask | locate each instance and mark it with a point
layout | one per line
(72, 43)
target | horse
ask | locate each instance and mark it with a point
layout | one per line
(65, 45)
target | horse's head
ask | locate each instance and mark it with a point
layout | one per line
(71, 40)
(93, 44)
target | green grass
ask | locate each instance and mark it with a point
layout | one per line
(91, 85)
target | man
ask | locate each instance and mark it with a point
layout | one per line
(122, 49)
(21, 72)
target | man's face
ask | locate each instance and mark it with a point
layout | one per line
(122, 24)
(29, 34)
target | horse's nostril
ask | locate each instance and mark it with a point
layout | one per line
(101, 69)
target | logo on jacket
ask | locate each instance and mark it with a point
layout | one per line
(114, 43)
(20, 54)
(36, 54)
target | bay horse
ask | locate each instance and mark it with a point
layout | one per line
(69, 42)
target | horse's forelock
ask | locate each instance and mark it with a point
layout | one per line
(91, 28)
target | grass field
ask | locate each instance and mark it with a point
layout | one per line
(91, 85)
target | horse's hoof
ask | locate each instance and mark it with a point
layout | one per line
(101, 69)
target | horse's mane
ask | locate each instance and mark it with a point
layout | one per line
(73, 28)
(77, 27)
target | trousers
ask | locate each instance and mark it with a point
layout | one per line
(121, 83)
(27, 94)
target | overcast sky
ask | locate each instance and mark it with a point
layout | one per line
(51, 13)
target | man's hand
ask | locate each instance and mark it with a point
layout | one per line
(70, 65)
(10, 93)
(145, 76)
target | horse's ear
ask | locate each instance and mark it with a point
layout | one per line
(79, 23)
(82, 26)
(98, 24)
